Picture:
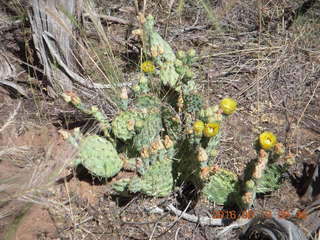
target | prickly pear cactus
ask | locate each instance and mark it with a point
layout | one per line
(171, 70)
(71, 97)
(98, 156)
(224, 187)
(168, 133)
(212, 149)
(172, 123)
(154, 168)
(121, 186)
(193, 103)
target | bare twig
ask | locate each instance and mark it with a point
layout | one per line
(153, 231)
(242, 51)
(177, 233)
(15, 86)
(11, 117)
(208, 221)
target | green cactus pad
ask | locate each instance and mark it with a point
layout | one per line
(270, 180)
(154, 40)
(190, 87)
(212, 146)
(180, 67)
(135, 185)
(157, 180)
(120, 125)
(172, 125)
(147, 101)
(168, 75)
(193, 103)
(150, 130)
(220, 187)
(99, 156)
(121, 185)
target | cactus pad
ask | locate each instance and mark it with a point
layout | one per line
(155, 43)
(99, 156)
(147, 101)
(270, 180)
(121, 185)
(220, 186)
(168, 75)
(150, 130)
(193, 102)
(123, 125)
(172, 123)
(157, 180)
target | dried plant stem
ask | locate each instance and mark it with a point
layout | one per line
(242, 51)
(208, 221)
(11, 117)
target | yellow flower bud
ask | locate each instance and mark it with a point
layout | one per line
(202, 156)
(131, 124)
(168, 143)
(198, 127)
(144, 153)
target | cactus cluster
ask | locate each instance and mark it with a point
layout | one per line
(261, 175)
(167, 138)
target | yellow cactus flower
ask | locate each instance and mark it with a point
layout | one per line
(211, 129)
(267, 140)
(228, 105)
(148, 67)
(198, 127)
